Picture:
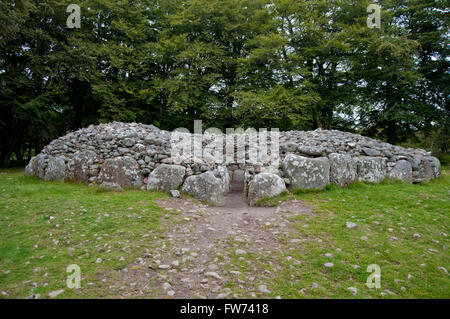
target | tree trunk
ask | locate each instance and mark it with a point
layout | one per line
(391, 133)
(5, 158)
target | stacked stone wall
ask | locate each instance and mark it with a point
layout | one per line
(130, 155)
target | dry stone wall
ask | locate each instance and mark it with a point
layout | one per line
(130, 155)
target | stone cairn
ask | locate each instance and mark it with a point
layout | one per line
(130, 155)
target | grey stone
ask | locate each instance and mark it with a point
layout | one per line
(442, 268)
(29, 168)
(55, 293)
(435, 166)
(388, 153)
(371, 169)
(263, 289)
(150, 138)
(39, 165)
(350, 225)
(166, 177)
(123, 150)
(306, 173)
(371, 151)
(205, 187)
(213, 274)
(123, 171)
(171, 293)
(401, 171)
(353, 290)
(129, 142)
(343, 169)
(424, 173)
(311, 151)
(153, 138)
(79, 166)
(222, 173)
(223, 295)
(416, 159)
(56, 170)
(163, 266)
(174, 193)
(264, 185)
(107, 137)
(288, 147)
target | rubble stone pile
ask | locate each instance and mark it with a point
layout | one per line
(130, 155)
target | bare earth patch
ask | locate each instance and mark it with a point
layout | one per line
(191, 259)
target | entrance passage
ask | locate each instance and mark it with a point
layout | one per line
(236, 198)
(237, 187)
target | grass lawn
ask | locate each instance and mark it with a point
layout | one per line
(404, 229)
(46, 227)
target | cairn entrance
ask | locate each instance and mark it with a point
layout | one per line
(237, 197)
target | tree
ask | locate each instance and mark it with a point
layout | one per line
(427, 23)
(254, 63)
(209, 41)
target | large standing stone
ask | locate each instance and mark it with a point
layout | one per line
(222, 173)
(79, 166)
(401, 171)
(307, 173)
(166, 177)
(56, 170)
(371, 169)
(121, 170)
(39, 165)
(343, 169)
(265, 185)
(205, 187)
(435, 166)
(425, 172)
(29, 168)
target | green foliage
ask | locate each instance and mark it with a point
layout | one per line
(250, 63)
(278, 107)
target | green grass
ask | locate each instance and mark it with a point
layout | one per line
(387, 217)
(45, 227)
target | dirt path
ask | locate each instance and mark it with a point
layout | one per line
(191, 260)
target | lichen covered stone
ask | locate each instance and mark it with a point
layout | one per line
(166, 177)
(371, 169)
(205, 187)
(343, 169)
(265, 185)
(306, 173)
(123, 171)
